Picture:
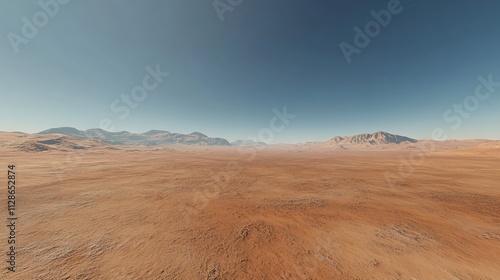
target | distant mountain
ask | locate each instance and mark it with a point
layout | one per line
(378, 138)
(156, 132)
(198, 134)
(70, 131)
(247, 143)
(150, 138)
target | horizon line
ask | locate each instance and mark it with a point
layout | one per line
(240, 139)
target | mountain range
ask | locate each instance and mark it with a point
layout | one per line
(68, 138)
(161, 137)
(150, 138)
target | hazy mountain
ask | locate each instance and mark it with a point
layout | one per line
(247, 143)
(70, 131)
(378, 138)
(156, 132)
(150, 138)
(198, 134)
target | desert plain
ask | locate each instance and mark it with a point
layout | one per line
(277, 212)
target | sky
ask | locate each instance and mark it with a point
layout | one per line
(232, 65)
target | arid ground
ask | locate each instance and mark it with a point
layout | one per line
(215, 213)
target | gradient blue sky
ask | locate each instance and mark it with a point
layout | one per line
(227, 76)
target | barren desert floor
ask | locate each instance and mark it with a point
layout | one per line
(213, 213)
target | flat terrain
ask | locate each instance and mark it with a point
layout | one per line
(215, 213)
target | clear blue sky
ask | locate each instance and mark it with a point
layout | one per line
(227, 76)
